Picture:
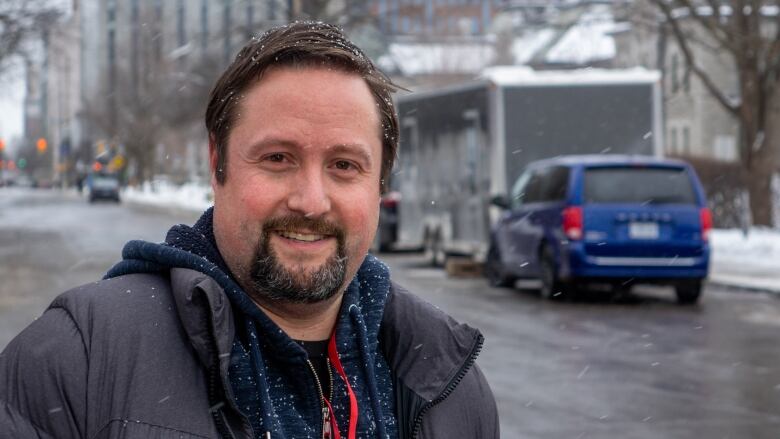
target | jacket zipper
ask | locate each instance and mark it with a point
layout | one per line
(326, 427)
(214, 387)
(216, 407)
(450, 387)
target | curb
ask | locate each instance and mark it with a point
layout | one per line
(741, 287)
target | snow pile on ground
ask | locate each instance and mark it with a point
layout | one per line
(756, 252)
(190, 196)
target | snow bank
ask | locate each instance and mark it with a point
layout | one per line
(191, 196)
(756, 253)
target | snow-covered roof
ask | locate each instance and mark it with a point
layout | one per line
(525, 47)
(426, 58)
(586, 40)
(589, 39)
(521, 75)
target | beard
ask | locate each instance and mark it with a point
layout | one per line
(272, 281)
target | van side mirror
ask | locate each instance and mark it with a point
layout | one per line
(501, 201)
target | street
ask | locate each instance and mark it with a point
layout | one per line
(639, 367)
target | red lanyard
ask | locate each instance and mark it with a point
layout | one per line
(353, 406)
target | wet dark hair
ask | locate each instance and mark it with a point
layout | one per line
(299, 44)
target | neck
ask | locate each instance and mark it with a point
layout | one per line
(304, 321)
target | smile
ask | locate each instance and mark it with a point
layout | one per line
(304, 237)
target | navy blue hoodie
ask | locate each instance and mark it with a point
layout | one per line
(271, 381)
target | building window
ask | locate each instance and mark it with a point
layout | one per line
(181, 30)
(158, 37)
(134, 43)
(673, 140)
(686, 141)
(725, 148)
(673, 73)
(226, 25)
(250, 18)
(204, 24)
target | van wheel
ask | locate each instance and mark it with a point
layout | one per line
(552, 287)
(688, 291)
(434, 251)
(494, 270)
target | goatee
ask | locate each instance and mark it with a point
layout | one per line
(272, 281)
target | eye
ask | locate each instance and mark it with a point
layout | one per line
(276, 157)
(344, 165)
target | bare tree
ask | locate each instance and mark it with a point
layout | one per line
(20, 21)
(749, 32)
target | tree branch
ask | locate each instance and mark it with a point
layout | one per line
(712, 25)
(681, 40)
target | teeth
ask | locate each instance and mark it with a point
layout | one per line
(301, 236)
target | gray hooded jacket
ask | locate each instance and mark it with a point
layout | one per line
(105, 361)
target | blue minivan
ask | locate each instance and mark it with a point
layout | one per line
(614, 219)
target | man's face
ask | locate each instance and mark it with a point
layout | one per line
(300, 205)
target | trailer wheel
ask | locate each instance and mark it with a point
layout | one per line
(434, 250)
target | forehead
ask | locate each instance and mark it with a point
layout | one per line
(308, 105)
(320, 84)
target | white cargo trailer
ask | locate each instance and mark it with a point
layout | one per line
(464, 144)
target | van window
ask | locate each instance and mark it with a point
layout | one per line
(533, 189)
(518, 190)
(643, 185)
(555, 181)
(540, 185)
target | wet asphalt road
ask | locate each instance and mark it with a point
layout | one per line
(641, 367)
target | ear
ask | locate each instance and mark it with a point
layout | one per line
(213, 160)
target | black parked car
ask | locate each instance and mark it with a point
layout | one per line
(103, 187)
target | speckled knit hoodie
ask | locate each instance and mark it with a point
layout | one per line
(271, 381)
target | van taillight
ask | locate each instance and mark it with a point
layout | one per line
(572, 222)
(389, 203)
(706, 223)
(390, 200)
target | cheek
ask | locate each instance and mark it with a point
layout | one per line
(363, 217)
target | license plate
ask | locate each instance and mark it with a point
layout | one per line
(647, 230)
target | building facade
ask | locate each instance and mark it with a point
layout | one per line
(114, 76)
(696, 124)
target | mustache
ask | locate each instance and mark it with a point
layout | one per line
(319, 226)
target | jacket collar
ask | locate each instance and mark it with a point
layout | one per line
(427, 349)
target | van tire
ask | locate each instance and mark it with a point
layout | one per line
(494, 269)
(552, 287)
(688, 291)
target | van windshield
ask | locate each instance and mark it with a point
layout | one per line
(643, 185)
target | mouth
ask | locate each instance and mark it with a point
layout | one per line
(302, 237)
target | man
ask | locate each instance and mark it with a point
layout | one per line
(267, 318)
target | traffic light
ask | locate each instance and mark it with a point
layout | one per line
(2, 145)
(21, 163)
(41, 145)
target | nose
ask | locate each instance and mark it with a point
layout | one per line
(309, 194)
